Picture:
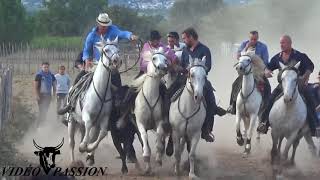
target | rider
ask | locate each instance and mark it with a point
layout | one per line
(261, 50)
(105, 29)
(198, 50)
(154, 43)
(289, 56)
(314, 90)
(173, 41)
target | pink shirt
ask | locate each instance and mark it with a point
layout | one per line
(146, 55)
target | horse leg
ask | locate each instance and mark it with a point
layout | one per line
(240, 140)
(117, 144)
(290, 141)
(177, 152)
(294, 148)
(71, 132)
(192, 154)
(146, 148)
(250, 130)
(160, 144)
(93, 136)
(102, 134)
(274, 150)
(88, 125)
(311, 145)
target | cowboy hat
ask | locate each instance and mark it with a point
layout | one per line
(104, 20)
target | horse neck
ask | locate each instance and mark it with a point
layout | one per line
(247, 84)
(186, 98)
(101, 78)
(151, 87)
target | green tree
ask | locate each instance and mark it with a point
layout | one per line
(68, 17)
(15, 25)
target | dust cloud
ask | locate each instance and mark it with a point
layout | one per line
(223, 158)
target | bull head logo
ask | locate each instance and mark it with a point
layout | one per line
(47, 155)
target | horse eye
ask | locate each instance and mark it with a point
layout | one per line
(154, 58)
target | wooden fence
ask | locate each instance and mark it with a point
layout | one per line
(26, 60)
(6, 75)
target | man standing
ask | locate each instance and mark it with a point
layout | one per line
(44, 86)
(63, 86)
(198, 50)
(289, 56)
(261, 50)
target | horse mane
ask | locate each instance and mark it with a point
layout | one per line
(138, 83)
(258, 65)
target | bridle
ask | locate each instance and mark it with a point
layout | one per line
(292, 69)
(250, 62)
(189, 78)
(107, 67)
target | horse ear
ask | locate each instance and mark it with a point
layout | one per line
(161, 50)
(99, 46)
(203, 61)
(102, 39)
(190, 60)
(282, 65)
(116, 40)
(108, 41)
(297, 65)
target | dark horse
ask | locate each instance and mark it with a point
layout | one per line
(123, 136)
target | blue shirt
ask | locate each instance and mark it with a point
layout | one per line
(198, 52)
(45, 81)
(90, 51)
(261, 50)
(295, 56)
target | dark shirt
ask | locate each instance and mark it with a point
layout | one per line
(295, 56)
(314, 90)
(45, 82)
(199, 51)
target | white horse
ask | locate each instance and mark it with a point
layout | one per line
(288, 118)
(249, 100)
(188, 113)
(148, 105)
(97, 102)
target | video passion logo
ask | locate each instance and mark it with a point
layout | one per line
(47, 156)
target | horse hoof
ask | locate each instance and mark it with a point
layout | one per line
(148, 172)
(192, 176)
(83, 147)
(131, 159)
(240, 141)
(90, 160)
(124, 170)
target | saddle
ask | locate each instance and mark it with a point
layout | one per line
(79, 89)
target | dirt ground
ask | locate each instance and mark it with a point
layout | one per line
(221, 160)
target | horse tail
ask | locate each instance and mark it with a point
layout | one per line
(137, 83)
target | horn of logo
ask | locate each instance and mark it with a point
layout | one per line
(37, 146)
(60, 145)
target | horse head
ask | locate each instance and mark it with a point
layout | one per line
(159, 62)
(109, 51)
(289, 82)
(244, 66)
(197, 77)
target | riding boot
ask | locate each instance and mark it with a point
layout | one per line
(264, 123)
(311, 105)
(68, 106)
(212, 109)
(236, 87)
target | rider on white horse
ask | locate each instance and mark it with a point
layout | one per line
(261, 50)
(289, 56)
(173, 42)
(91, 54)
(198, 50)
